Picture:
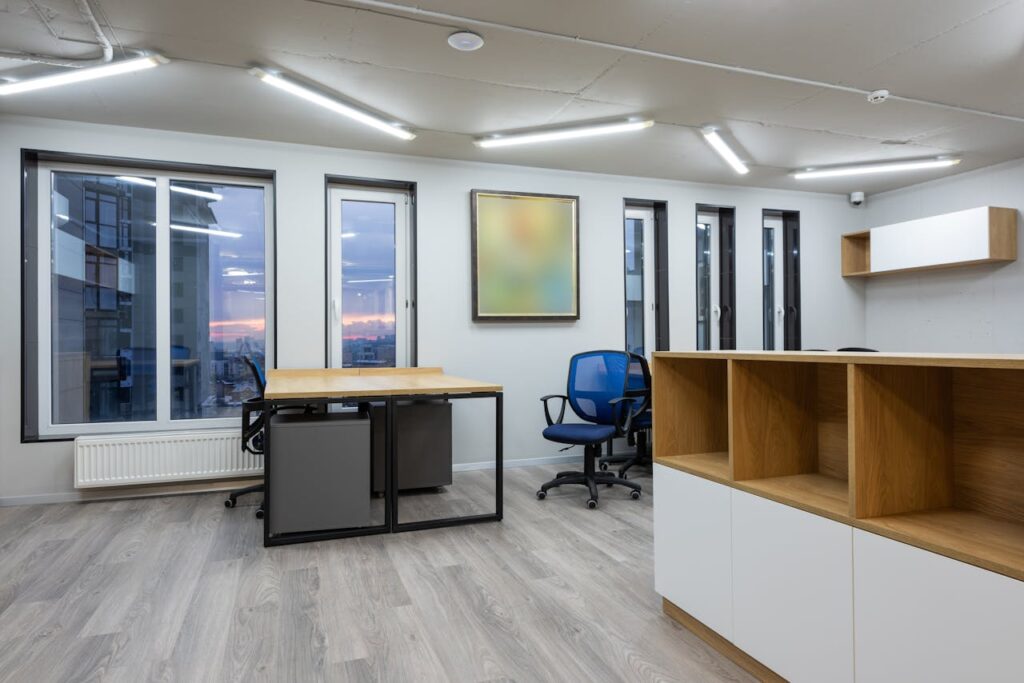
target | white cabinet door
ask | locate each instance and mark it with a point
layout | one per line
(925, 617)
(792, 590)
(692, 546)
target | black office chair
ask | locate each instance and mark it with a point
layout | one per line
(597, 393)
(253, 419)
(639, 385)
(252, 431)
(856, 349)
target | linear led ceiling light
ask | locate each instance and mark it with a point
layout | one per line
(327, 102)
(885, 167)
(499, 140)
(126, 66)
(724, 150)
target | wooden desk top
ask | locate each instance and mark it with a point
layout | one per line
(948, 360)
(360, 382)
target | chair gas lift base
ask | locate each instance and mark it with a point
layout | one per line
(590, 478)
(599, 392)
(641, 457)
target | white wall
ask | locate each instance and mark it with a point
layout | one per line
(974, 309)
(528, 359)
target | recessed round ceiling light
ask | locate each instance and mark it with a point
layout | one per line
(465, 41)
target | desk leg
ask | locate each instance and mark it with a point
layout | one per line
(499, 443)
(390, 467)
(266, 473)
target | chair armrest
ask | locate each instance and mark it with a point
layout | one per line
(628, 402)
(561, 412)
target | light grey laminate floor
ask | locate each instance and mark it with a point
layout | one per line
(181, 589)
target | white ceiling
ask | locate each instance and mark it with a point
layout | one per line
(968, 53)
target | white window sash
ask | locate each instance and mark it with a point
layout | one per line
(163, 422)
(403, 268)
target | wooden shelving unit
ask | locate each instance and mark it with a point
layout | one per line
(924, 449)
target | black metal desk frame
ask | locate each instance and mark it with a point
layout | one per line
(391, 523)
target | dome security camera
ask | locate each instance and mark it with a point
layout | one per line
(856, 198)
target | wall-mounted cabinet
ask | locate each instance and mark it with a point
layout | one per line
(987, 234)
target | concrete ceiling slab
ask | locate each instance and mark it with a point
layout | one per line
(966, 52)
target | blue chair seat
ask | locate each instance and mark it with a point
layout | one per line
(643, 420)
(579, 434)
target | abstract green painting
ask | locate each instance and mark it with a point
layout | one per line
(525, 256)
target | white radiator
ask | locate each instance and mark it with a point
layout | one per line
(130, 459)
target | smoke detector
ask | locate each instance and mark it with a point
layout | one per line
(466, 41)
(878, 96)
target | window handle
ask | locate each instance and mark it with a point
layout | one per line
(336, 309)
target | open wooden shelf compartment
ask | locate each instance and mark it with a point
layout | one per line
(939, 460)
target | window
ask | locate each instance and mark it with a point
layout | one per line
(716, 277)
(704, 280)
(640, 294)
(769, 309)
(218, 296)
(102, 299)
(369, 278)
(781, 286)
(151, 289)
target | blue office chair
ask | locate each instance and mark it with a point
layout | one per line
(638, 384)
(598, 392)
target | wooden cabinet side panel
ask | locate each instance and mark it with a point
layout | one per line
(902, 439)
(1002, 234)
(690, 405)
(833, 422)
(773, 427)
(988, 442)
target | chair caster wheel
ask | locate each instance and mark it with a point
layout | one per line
(604, 467)
(635, 495)
(541, 495)
(259, 514)
(229, 503)
(592, 504)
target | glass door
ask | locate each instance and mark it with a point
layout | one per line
(709, 311)
(772, 276)
(640, 290)
(369, 303)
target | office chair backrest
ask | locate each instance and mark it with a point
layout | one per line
(639, 382)
(257, 374)
(595, 378)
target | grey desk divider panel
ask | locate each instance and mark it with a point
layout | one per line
(423, 444)
(320, 475)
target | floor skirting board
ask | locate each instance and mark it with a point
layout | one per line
(520, 462)
(125, 493)
(146, 491)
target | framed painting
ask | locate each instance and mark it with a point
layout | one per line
(525, 250)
